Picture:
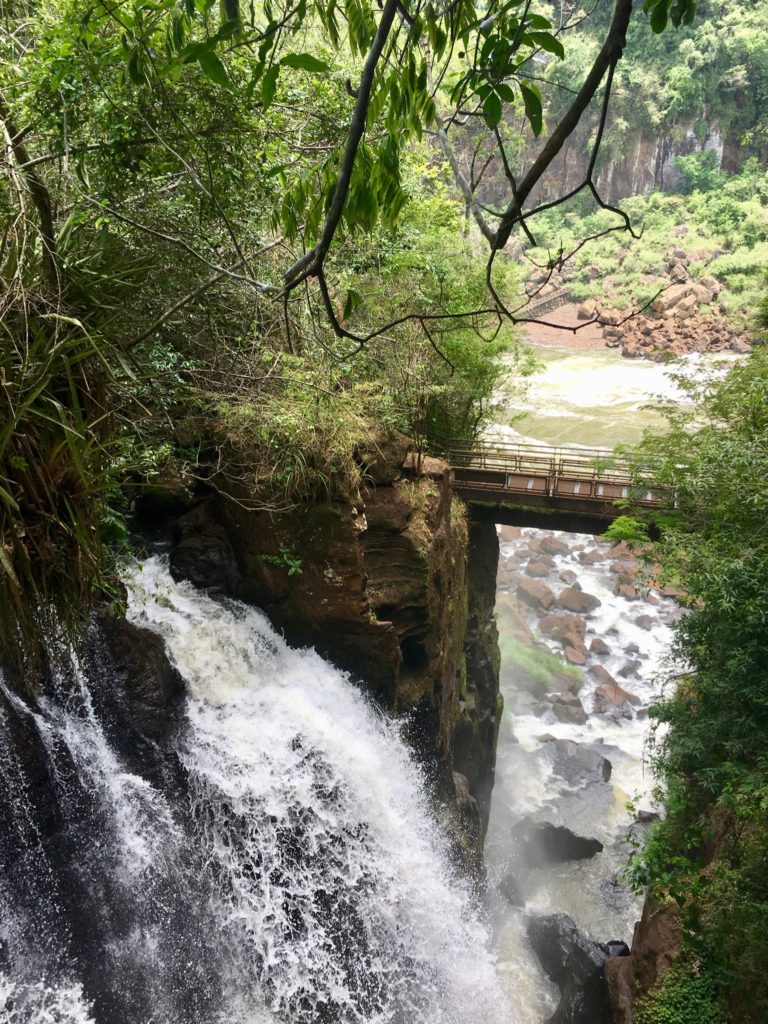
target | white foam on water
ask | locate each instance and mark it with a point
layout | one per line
(332, 885)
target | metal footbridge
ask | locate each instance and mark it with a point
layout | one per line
(591, 482)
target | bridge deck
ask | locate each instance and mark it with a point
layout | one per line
(580, 480)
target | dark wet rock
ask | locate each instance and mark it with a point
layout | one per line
(646, 817)
(510, 890)
(630, 668)
(535, 593)
(567, 707)
(632, 649)
(578, 763)
(616, 947)
(203, 553)
(568, 576)
(645, 622)
(553, 546)
(539, 567)
(599, 647)
(542, 842)
(576, 965)
(628, 591)
(141, 670)
(579, 601)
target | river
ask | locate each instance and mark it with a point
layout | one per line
(549, 770)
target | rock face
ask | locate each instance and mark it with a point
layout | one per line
(386, 584)
(656, 946)
(576, 965)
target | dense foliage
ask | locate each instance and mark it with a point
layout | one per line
(711, 851)
(720, 221)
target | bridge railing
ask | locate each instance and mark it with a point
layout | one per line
(592, 474)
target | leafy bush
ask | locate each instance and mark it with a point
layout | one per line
(687, 995)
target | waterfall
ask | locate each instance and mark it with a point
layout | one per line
(295, 874)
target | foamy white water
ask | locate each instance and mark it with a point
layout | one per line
(290, 871)
(332, 886)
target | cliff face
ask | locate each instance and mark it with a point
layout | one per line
(390, 586)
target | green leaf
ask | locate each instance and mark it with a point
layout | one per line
(213, 68)
(549, 43)
(305, 62)
(353, 300)
(268, 85)
(532, 101)
(492, 109)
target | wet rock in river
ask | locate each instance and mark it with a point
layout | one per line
(568, 576)
(539, 567)
(632, 649)
(645, 622)
(578, 764)
(626, 590)
(599, 646)
(568, 629)
(574, 600)
(614, 694)
(576, 655)
(591, 557)
(541, 842)
(553, 546)
(567, 707)
(510, 533)
(576, 965)
(602, 675)
(630, 668)
(535, 593)
(510, 890)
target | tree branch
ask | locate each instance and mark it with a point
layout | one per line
(311, 262)
(609, 54)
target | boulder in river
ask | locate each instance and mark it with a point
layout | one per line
(553, 546)
(576, 965)
(535, 593)
(541, 842)
(567, 707)
(612, 693)
(568, 576)
(599, 647)
(579, 764)
(573, 600)
(602, 675)
(575, 655)
(539, 567)
(568, 629)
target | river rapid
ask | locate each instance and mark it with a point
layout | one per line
(552, 768)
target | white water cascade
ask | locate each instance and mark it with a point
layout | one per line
(295, 874)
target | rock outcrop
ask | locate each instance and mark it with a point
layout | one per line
(576, 965)
(656, 946)
(387, 584)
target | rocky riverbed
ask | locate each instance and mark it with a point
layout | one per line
(582, 643)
